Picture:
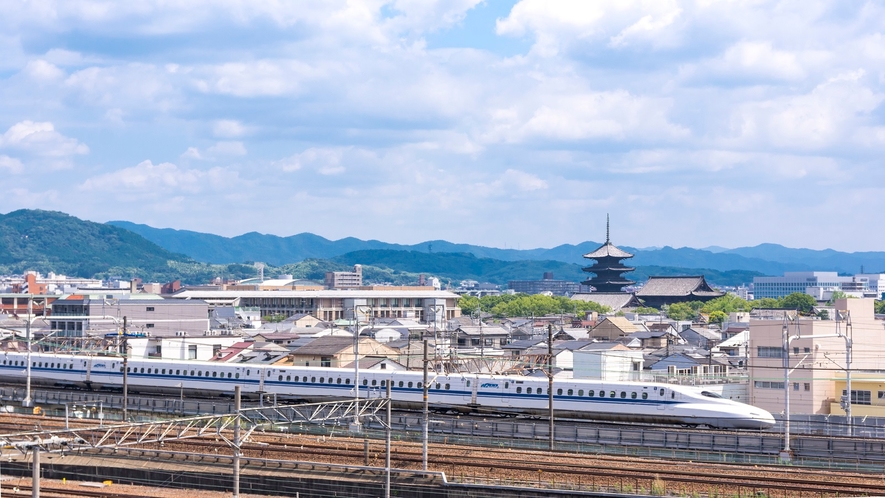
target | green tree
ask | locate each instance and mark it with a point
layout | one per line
(681, 311)
(880, 307)
(766, 302)
(798, 301)
(647, 310)
(717, 316)
(837, 295)
(540, 305)
(468, 304)
(728, 303)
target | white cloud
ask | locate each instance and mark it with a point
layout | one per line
(522, 181)
(43, 71)
(40, 138)
(228, 128)
(326, 161)
(221, 149)
(156, 180)
(10, 164)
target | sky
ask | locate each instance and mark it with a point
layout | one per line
(512, 124)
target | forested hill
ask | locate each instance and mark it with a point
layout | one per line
(52, 241)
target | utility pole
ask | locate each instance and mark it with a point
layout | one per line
(426, 412)
(237, 407)
(125, 353)
(550, 379)
(28, 402)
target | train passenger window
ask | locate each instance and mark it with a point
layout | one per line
(569, 392)
(330, 380)
(401, 383)
(128, 369)
(601, 394)
(506, 384)
(178, 372)
(612, 395)
(632, 395)
(365, 382)
(528, 390)
(437, 385)
(347, 381)
(662, 391)
(672, 394)
(248, 372)
(623, 395)
(238, 375)
(164, 371)
(559, 392)
(374, 382)
(518, 390)
(447, 387)
(142, 370)
(419, 385)
(313, 379)
(288, 378)
(468, 383)
(214, 374)
(644, 395)
(322, 379)
(410, 383)
(591, 393)
(580, 392)
(383, 383)
(192, 373)
(338, 380)
(281, 377)
(52, 365)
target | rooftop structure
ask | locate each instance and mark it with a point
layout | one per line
(660, 291)
(608, 267)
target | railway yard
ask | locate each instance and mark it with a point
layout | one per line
(338, 464)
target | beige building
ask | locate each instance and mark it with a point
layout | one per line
(817, 359)
(612, 327)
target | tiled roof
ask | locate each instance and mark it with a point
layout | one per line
(614, 300)
(608, 250)
(677, 286)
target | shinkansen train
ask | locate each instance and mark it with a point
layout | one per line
(643, 402)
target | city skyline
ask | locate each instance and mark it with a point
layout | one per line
(509, 124)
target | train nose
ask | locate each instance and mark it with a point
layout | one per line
(761, 417)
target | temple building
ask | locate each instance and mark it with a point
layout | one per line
(608, 267)
(659, 291)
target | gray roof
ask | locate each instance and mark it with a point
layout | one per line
(614, 300)
(608, 250)
(677, 286)
(486, 330)
(600, 346)
(330, 345)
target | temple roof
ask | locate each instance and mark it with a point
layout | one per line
(614, 300)
(677, 286)
(608, 250)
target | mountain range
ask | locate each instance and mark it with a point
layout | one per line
(767, 259)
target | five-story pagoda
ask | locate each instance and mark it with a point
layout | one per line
(608, 267)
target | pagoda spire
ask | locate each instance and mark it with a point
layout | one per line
(607, 240)
(608, 268)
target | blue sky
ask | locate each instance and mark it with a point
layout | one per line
(502, 123)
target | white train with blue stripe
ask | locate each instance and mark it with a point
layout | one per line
(644, 402)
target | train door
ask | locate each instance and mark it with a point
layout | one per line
(261, 373)
(505, 391)
(87, 366)
(473, 389)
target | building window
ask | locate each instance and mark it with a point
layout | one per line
(769, 352)
(149, 308)
(149, 325)
(192, 352)
(860, 397)
(795, 386)
(808, 386)
(764, 384)
(326, 361)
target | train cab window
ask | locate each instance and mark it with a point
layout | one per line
(709, 394)
(528, 390)
(570, 392)
(623, 395)
(644, 395)
(662, 391)
(401, 383)
(632, 395)
(365, 382)
(672, 394)
(518, 390)
(447, 387)
(410, 383)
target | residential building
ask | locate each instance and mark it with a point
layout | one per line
(81, 315)
(815, 358)
(547, 284)
(611, 328)
(330, 305)
(609, 361)
(338, 352)
(345, 279)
